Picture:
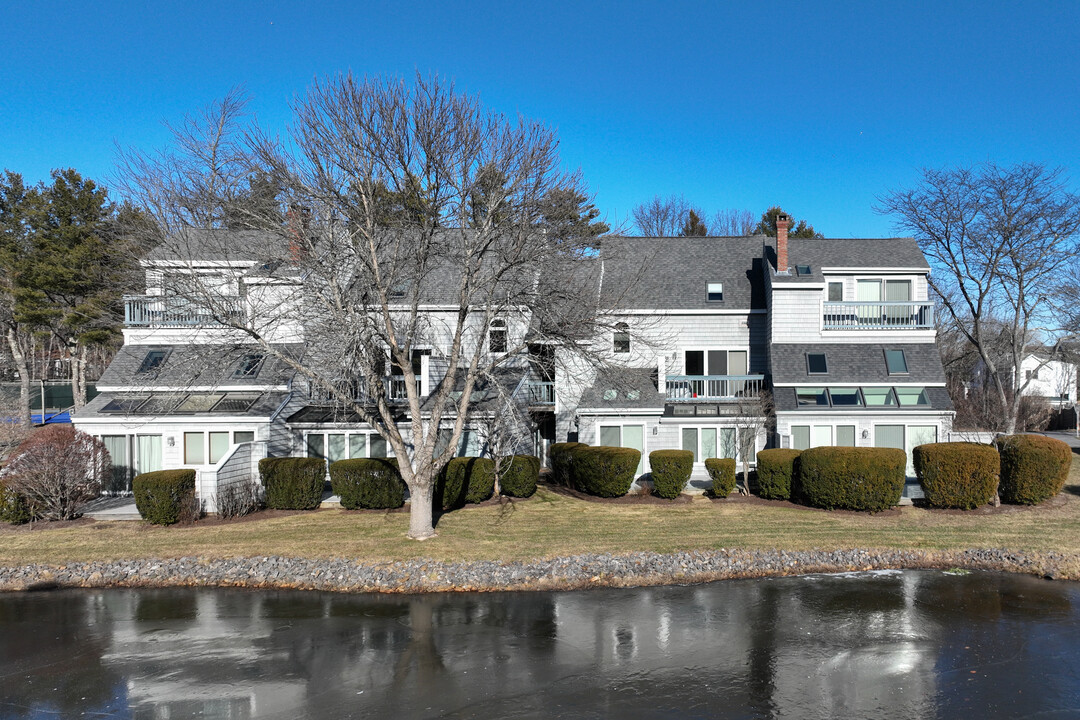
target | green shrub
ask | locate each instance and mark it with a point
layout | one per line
(164, 497)
(518, 475)
(670, 471)
(722, 472)
(370, 483)
(851, 478)
(465, 480)
(562, 459)
(293, 483)
(1033, 468)
(14, 508)
(776, 468)
(604, 471)
(957, 474)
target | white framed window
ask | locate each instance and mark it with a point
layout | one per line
(715, 361)
(497, 336)
(334, 445)
(630, 435)
(621, 338)
(804, 437)
(708, 441)
(209, 447)
(836, 291)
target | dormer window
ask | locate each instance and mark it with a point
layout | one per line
(153, 360)
(896, 362)
(816, 364)
(714, 292)
(621, 339)
(249, 365)
(497, 336)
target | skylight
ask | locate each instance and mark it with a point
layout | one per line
(896, 362)
(152, 361)
(816, 364)
(812, 396)
(714, 291)
(249, 365)
(803, 270)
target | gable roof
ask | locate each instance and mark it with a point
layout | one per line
(869, 253)
(671, 273)
(856, 363)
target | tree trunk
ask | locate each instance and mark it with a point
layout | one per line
(78, 377)
(420, 510)
(19, 357)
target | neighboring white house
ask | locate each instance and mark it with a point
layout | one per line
(840, 331)
(1053, 378)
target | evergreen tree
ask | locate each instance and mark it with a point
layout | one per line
(767, 225)
(694, 226)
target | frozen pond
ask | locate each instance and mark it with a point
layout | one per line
(916, 644)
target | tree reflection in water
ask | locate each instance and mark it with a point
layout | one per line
(911, 645)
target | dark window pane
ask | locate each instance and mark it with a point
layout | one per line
(844, 396)
(811, 396)
(152, 361)
(816, 363)
(695, 362)
(836, 292)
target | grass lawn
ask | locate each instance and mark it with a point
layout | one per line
(552, 524)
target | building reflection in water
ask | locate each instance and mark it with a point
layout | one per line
(911, 645)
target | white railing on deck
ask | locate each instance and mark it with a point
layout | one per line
(879, 316)
(724, 388)
(162, 311)
(541, 392)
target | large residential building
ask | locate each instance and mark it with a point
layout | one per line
(721, 346)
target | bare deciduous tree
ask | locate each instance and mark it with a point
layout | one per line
(674, 215)
(57, 471)
(410, 221)
(1000, 240)
(732, 223)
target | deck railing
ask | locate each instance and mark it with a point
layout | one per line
(396, 387)
(541, 392)
(165, 311)
(722, 388)
(879, 316)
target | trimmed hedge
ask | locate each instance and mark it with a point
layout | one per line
(164, 496)
(562, 460)
(722, 472)
(13, 507)
(1033, 468)
(776, 470)
(293, 483)
(519, 475)
(604, 471)
(851, 478)
(957, 474)
(465, 480)
(670, 471)
(369, 483)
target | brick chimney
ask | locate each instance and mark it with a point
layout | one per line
(783, 222)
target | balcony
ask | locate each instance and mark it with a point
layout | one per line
(541, 392)
(158, 311)
(879, 316)
(713, 388)
(396, 388)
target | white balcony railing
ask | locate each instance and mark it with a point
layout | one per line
(395, 388)
(721, 388)
(164, 311)
(879, 316)
(541, 392)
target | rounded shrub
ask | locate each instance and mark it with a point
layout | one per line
(1033, 468)
(369, 483)
(293, 483)
(722, 473)
(776, 469)
(851, 478)
(562, 459)
(670, 471)
(164, 497)
(957, 474)
(604, 471)
(518, 475)
(465, 480)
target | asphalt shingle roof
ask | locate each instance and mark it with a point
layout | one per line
(850, 363)
(784, 400)
(624, 388)
(672, 272)
(847, 252)
(195, 365)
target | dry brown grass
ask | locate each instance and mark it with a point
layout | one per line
(552, 524)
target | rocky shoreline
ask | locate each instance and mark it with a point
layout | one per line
(565, 573)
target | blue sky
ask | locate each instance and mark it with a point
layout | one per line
(818, 107)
